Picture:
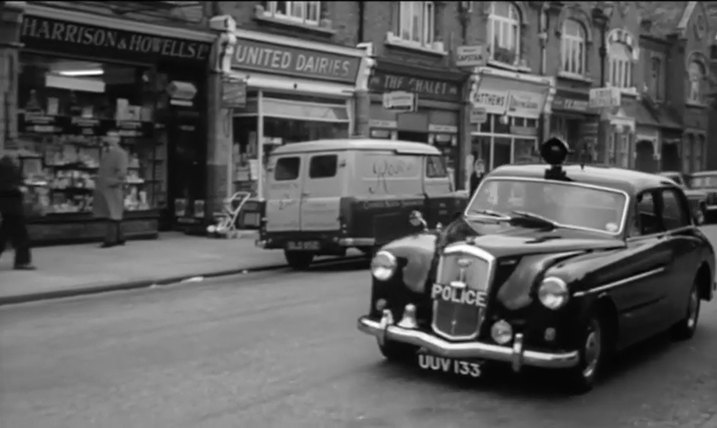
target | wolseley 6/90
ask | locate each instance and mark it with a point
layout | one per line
(550, 266)
(326, 196)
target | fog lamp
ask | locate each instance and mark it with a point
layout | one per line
(501, 332)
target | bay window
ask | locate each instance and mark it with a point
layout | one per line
(620, 69)
(302, 12)
(417, 22)
(573, 48)
(504, 32)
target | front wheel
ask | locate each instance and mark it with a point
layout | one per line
(687, 326)
(592, 356)
(299, 260)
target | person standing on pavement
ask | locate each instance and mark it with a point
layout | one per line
(13, 228)
(108, 197)
(477, 174)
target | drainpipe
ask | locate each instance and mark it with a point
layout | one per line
(361, 17)
(601, 20)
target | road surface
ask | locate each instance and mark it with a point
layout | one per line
(281, 349)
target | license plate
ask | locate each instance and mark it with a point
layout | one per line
(303, 245)
(251, 219)
(449, 365)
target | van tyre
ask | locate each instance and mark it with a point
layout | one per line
(299, 260)
(593, 353)
(687, 326)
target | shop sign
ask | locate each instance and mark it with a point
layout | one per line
(564, 103)
(446, 129)
(604, 97)
(470, 56)
(233, 93)
(89, 40)
(525, 104)
(292, 61)
(478, 115)
(425, 88)
(492, 101)
(388, 124)
(400, 100)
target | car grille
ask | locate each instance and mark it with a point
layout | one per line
(460, 321)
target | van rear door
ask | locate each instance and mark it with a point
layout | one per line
(283, 193)
(324, 184)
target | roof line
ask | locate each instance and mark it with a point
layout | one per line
(686, 15)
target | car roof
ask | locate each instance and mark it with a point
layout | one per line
(626, 180)
(345, 144)
(703, 173)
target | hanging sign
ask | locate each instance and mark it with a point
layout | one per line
(233, 93)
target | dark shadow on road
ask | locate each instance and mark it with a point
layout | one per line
(341, 265)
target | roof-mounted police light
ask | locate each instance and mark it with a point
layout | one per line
(554, 152)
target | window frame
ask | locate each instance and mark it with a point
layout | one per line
(324, 177)
(427, 30)
(683, 206)
(513, 21)
(656, 77)
(298, 169)
(620, 70)
(442, 162)
(568, 44)
(696, 97)
(271, 10)
(637, 220)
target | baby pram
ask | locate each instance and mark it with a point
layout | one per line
(226, 220)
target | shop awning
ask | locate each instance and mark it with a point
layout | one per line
(302, 110)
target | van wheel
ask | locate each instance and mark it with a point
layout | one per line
(299, 260)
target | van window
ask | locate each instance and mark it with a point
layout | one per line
(323, 166)
(435, 167)
(287, 169)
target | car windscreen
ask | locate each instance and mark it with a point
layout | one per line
(568, 204)
(703, 181)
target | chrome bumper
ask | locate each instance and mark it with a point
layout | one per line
(516, 354)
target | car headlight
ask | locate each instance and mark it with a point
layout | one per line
(553, 293)
(383, 265)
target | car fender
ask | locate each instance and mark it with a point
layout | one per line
(415, 253)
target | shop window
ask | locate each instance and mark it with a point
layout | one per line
(284, 131)
(323, 166)
(623, 149)
(656, 78)
(700, 153)
(287, 169)
(573, 47)
(65, 109)
(504, 32)
(301, 12)
(696, 74)
(620, 65)
(435, 167)
(417, 22)
(501, 125)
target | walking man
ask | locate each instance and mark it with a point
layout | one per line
(108, 198)
(13, 227)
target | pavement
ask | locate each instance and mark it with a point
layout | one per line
(280, 349)
(71, 270)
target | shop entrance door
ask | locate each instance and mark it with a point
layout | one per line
(187, 167)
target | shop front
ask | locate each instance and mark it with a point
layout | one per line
(82, 75)
(647, 150)
(435, 118)
(573, 121)
(694, 139)
(515, 105)
(620, 125)
(296, 91)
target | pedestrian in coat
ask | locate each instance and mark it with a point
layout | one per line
(13, 228)
(108, 198)
(477, 175)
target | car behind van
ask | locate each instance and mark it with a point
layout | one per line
(325, 196)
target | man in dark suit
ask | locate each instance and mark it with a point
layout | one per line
(13, 227)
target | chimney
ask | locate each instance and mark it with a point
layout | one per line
(646, 25)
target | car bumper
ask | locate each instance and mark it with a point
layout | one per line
(516, 355)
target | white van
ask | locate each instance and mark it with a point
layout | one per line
(325, 196)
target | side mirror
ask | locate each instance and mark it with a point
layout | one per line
(416, 219)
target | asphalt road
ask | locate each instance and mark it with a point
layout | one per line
(281, 349)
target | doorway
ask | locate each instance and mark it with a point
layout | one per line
(645, 157)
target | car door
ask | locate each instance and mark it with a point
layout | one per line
(283, 193)
(642, 295)
(324, 184)
(682, 239)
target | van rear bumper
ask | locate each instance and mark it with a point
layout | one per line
(327, 242)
